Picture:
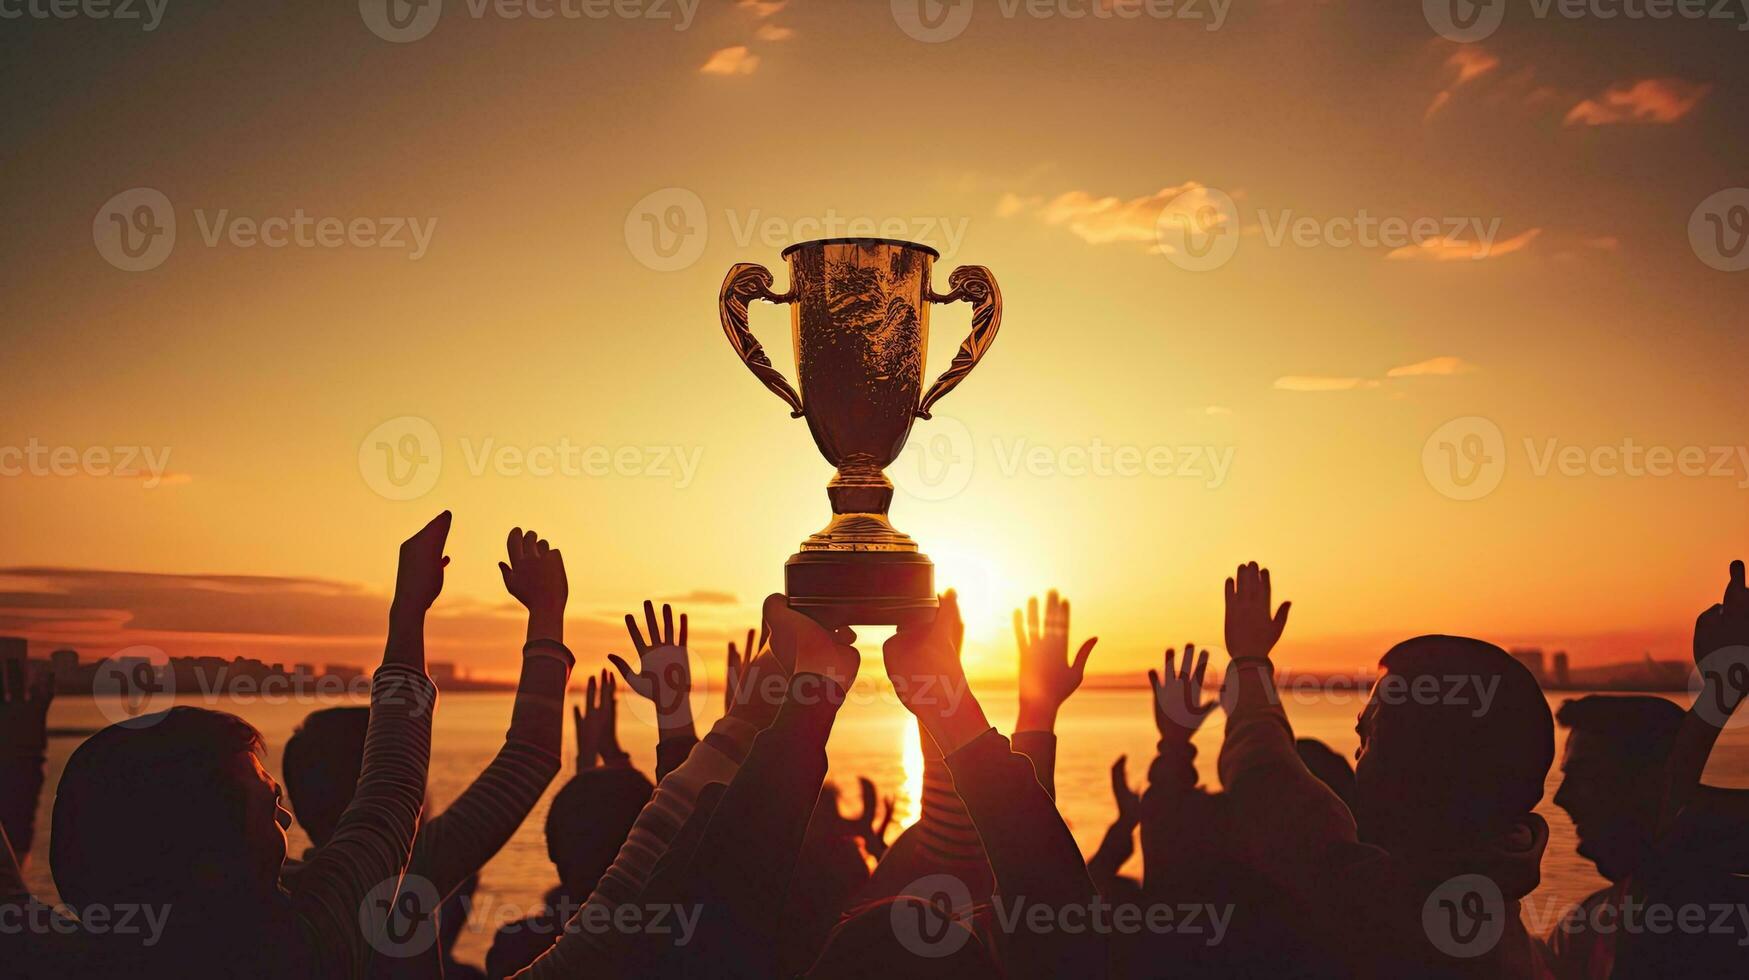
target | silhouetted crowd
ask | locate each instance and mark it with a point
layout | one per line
(168, 840)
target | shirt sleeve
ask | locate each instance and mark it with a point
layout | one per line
(374, 837)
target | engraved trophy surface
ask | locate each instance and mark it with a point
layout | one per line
(859, 313)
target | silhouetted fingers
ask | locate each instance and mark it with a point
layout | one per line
(637, 637)
(682, 629)
(868, 800)
(1154, 676)
(625, 671)
(1032, 627)
(1080, 665)
(1281, 618)
(651, 624)
(1202, 663)
(513, 545)
(1019, 632)
(667, 624)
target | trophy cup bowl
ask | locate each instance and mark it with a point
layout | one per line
(859, 314)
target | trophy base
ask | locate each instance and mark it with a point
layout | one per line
(861, 588)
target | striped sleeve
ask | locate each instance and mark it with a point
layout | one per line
(715, 759)
(374, 837)
(458, 842)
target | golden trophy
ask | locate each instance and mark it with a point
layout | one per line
(859, 310)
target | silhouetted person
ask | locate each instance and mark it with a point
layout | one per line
(451, 919)
(1425, 876)
(1680, 882)
(453, 846)
(1329, 766)
(175, 811)
(587, 823)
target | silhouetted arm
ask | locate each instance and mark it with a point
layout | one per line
(1118, 845)
(1721, 634)
(24, 710)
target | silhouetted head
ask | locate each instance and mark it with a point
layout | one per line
(588, 821)
(174, 807)
(1455, 742)
(321, 764)
(904, 936)
(1612, 775)
(1329, 766)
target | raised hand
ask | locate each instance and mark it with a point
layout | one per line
(1251, 631)
(1179, 708)
(803, 646)
(664, 674)
(419, 579)
(923, 662)
(1721, 645)
(535, 577)
(1047, 676)
(737, 667)
(596, 725)
(1129, 804)
(864, 824)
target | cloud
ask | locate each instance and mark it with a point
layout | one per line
(1307, 382)
(276, 618)
(702, 597)
(1098, 220)
(1442, 366)
(1453, 249)
(1650, 101)
(762, 8)
(772, 32)
(1470, 63)
(1433, 366)
(731, 61)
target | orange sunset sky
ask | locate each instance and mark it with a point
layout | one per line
(582, 185)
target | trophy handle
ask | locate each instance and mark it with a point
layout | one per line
(974, 284)
(746, 282)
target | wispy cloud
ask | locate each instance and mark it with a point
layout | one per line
(1433, 366)
(1313, 382)
(1442, 366)
(1096, 219)
(1468, 63)
(1650, 101)
(772, 32)
(1455, 249)
(736, 60)
(702, 597)
(762, 8)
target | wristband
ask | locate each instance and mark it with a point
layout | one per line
(544, 647)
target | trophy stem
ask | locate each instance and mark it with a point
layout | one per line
(860, 495)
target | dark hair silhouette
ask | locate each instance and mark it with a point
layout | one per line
(1640, 729)
(320, 766)
(1457, 740)
(153, 812)
(589, 819)
(1329, 766)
